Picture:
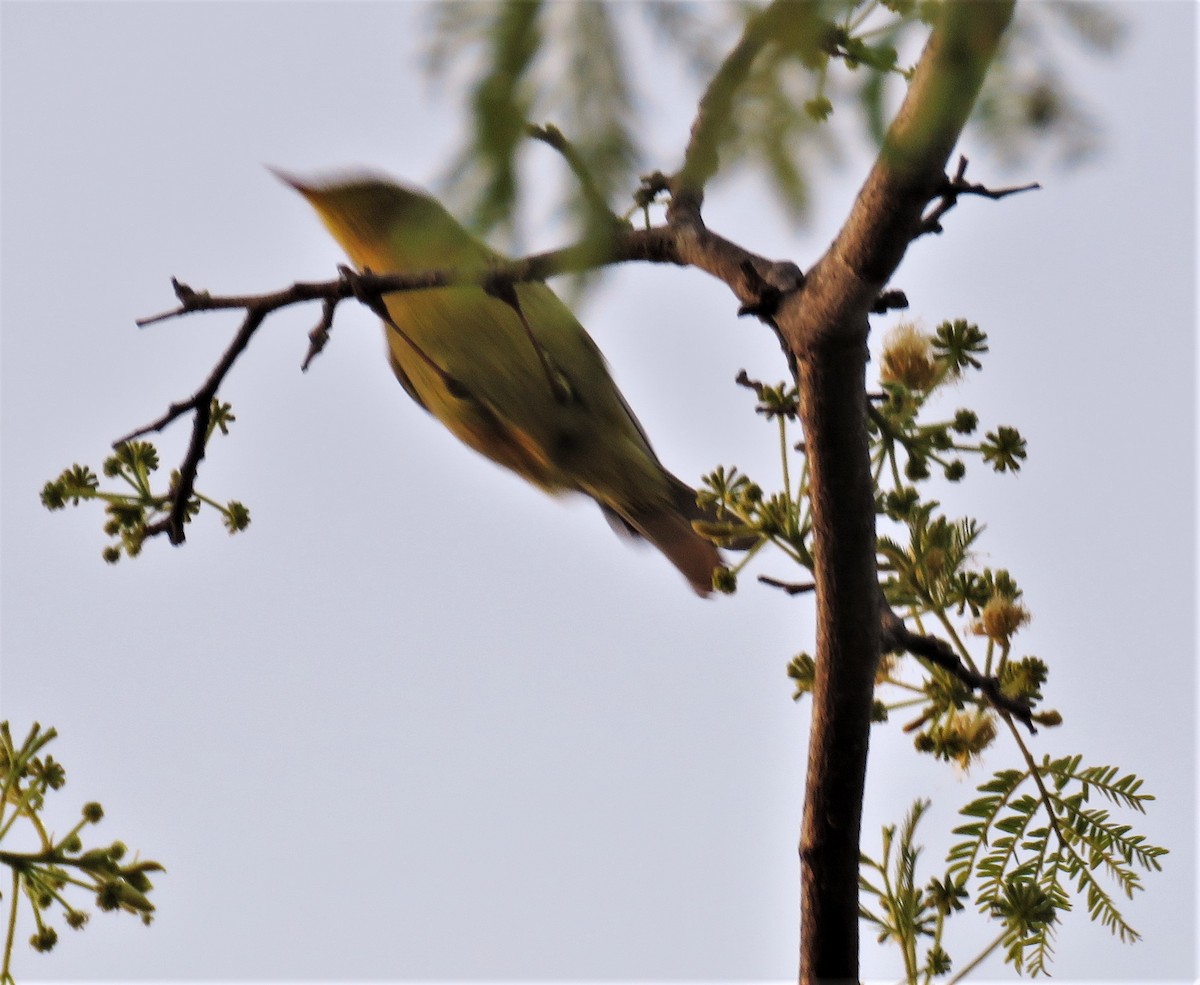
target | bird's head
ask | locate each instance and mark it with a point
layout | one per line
(388, 227)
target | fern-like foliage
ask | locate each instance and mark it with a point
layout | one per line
(903, 911)
(526, 61)
(1034, 841)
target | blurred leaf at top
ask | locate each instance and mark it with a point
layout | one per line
(831, 72)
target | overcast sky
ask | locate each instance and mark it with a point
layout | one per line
(421, 721)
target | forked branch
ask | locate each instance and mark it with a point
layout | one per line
(755, 280)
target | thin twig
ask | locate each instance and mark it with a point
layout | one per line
(890, 300)
(790, 587)
(958, 185)
(318, 338)
(1041, 785)
(597, 206)
(711, 126)
(201, 406)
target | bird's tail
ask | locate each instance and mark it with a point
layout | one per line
(668, 526)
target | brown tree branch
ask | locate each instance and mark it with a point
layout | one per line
(825, 326)
(897, 636)
(788, 587)
(200, 404)
(958, 185)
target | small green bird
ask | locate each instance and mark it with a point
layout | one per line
(512, 374)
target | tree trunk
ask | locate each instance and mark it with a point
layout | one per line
(825, 326)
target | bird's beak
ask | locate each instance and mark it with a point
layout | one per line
(292, 181)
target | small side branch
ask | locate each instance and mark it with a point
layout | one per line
(788, 587)
(897, 636)
(200, 405)
(318, 338)
(191, 301)
(891, 300)
(712, 125)
(554, 138)
(958, 185)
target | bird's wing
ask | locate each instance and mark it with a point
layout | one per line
(405, 380)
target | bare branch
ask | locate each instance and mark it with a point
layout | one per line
(190, 300)
(958, 185)
(788, 587)
(892, 300)
(319, 336)
(200, 404)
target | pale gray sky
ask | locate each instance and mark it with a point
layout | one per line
(421, 721)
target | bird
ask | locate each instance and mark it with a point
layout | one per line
(509, 370)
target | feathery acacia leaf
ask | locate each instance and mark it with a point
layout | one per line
(1026, 872)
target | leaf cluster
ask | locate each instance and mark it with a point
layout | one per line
(927, 568)
(533, 60)
(133, 508)
(526, 60)
(59, 865)
(902, 911)
(1028, 852)
(1023, 857)
(1027, 102)
(929, 573)
(915, 367)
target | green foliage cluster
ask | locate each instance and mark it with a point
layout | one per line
(1021, 859)
(132, 514)
(905, 912)
(1027, 852)
(44, 876)
(533, 60)
(1027, 102)
(925, 557)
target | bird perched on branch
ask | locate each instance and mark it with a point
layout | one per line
(508, 370)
